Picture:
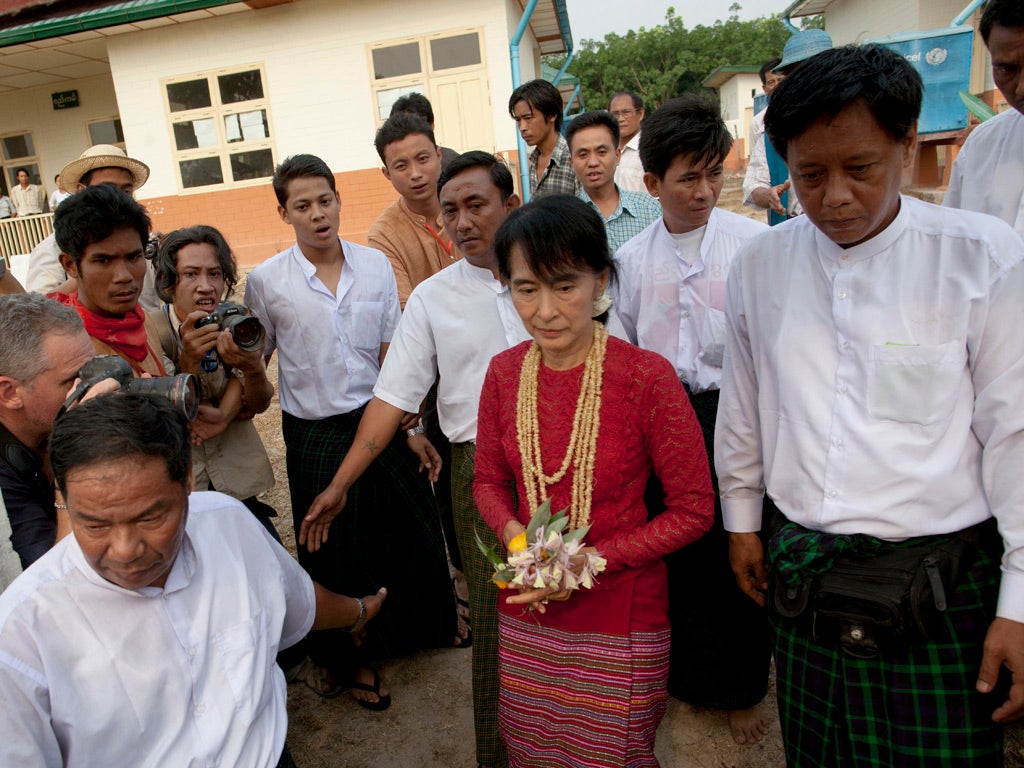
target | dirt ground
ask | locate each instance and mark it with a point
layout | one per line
(430, 722)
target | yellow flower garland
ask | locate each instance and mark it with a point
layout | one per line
(582, 446)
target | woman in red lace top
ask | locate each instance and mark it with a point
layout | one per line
(583, 673)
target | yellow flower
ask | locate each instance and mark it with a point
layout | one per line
(518, 544)
(500, 584)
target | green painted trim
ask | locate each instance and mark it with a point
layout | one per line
(97, 18)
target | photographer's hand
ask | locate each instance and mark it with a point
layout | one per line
(195, 342)
(257, 387)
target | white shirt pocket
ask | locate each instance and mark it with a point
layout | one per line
(247, 661)
(915, 384)
(364, 324)
(712, 338)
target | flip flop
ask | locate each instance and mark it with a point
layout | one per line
(316, 678)
(382, 702)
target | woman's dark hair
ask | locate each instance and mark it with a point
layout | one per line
(121, 426)
(167, 259)
(1005, 13)
(826, 83)
(689, 125)
(557, 235)
(93, 214)
(500, 173)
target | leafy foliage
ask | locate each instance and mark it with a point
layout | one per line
(669, 60)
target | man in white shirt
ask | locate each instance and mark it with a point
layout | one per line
(766, 182)
(628, 109)
(988, 174)
(872, 385)
(670, 297)
(59, 195)
(148, 636)
(453, 324)
(329, 308)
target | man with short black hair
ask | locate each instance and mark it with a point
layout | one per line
(872, 384)
(409, 231)
(988, 174)
(593, 139)
(628, 109)
(151, 631)
(536, 107)
(418, 104)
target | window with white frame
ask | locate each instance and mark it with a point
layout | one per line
(410, 65)
(220, 126)
(17, 150)
(106, 131)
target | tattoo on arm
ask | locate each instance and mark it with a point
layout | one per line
(371, 446)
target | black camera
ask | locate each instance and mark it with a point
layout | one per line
(182, 390)
(246, 329)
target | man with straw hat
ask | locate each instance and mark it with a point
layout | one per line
(99, 164)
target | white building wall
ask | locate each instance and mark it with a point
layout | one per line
(318, 83)
(736, 97)
(60, 135)
(852, 21)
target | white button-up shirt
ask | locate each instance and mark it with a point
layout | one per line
(92, 674)
(877, 389)
(453, 324)
(678, 309)
(988, 174)
(630, 172)
(329, 346)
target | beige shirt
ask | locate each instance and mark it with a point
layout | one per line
(234, 462)
(415, 247)
(31, 199)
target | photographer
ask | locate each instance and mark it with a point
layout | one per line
(44, 347)
(195, 271)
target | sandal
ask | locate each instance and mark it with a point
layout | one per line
(316, 678)
(382, 702)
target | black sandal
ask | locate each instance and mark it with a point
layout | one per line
(382, 702)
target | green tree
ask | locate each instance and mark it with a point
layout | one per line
(668, 60)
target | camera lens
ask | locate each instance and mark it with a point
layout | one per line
(247, 331)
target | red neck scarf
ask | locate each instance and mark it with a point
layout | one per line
(125, 334)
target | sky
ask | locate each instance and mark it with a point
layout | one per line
(593, 19)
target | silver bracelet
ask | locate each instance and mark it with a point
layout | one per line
(362, 617)
(419, 429)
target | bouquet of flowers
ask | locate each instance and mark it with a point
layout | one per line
(540, 557)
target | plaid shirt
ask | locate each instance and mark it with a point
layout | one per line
(636, 211)
(559, 177)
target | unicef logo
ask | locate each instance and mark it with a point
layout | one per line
(936, 56)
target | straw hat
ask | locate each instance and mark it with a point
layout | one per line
(102, 156)
(803, 45)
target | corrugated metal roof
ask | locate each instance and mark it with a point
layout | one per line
(807, 8)
(550, 25)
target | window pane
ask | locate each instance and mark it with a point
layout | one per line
(195, 94)
(201, 173)
(106, 132)
(18, 146)
(196, 133)
(458, 51)
(240, 86)
(397, 60)
(387, 98)
(257, 164)
(246, 126)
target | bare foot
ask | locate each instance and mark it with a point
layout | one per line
(369, 690)
(748, 726)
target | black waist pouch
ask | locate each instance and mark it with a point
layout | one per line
(886, 600)
(868, 604)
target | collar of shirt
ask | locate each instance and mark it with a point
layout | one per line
(179, 577)
(877, 244)
(309, 270)
(619, 209)
(664, 239)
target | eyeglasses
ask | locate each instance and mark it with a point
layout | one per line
(623, 113)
